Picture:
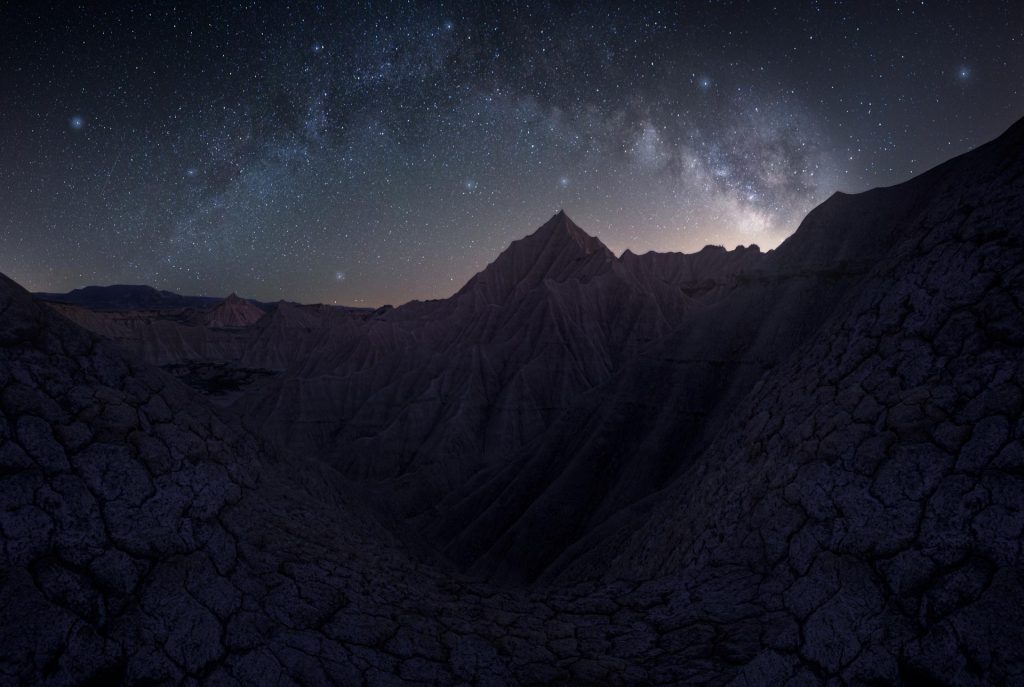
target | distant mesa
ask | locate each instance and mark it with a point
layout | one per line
(127, 297)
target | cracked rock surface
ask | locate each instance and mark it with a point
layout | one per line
(871, 489)
(851, 513)
(145, 540)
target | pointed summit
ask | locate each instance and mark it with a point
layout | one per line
(559, 250)
(560, 227)
(233, 311)
(233, 299)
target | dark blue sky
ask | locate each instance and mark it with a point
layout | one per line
(379, 152)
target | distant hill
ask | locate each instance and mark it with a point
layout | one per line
(128, 297)
(121, 297)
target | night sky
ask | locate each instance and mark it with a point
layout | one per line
(378, 152)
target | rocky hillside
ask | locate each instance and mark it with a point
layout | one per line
(797, 467)
(148, 540)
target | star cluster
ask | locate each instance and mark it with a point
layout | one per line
(366, 153)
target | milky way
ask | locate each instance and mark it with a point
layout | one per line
(376, 153)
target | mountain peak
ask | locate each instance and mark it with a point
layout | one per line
(559, 250)
(233, 311)
(561, 226)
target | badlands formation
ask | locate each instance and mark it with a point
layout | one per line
(794, 467)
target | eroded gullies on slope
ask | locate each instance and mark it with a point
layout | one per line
(790, 465)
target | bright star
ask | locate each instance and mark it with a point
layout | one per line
(339, 275)
(76, 122)
(964, 73)
(563, 182)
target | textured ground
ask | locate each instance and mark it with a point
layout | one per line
(882, 498)
(147, 541)
(856, 517)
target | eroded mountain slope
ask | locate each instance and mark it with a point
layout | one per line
(435, 404)
(872, 488)
(847, 509)
(147, 540)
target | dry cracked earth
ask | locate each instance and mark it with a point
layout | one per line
(821, 485)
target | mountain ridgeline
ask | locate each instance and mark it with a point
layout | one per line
(770, 467)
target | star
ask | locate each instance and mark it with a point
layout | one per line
(339, 275)
(642, 119)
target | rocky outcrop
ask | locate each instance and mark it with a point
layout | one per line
(799, 467)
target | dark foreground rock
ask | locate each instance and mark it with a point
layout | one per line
(855, 517)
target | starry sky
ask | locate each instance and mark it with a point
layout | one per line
(371, 153)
